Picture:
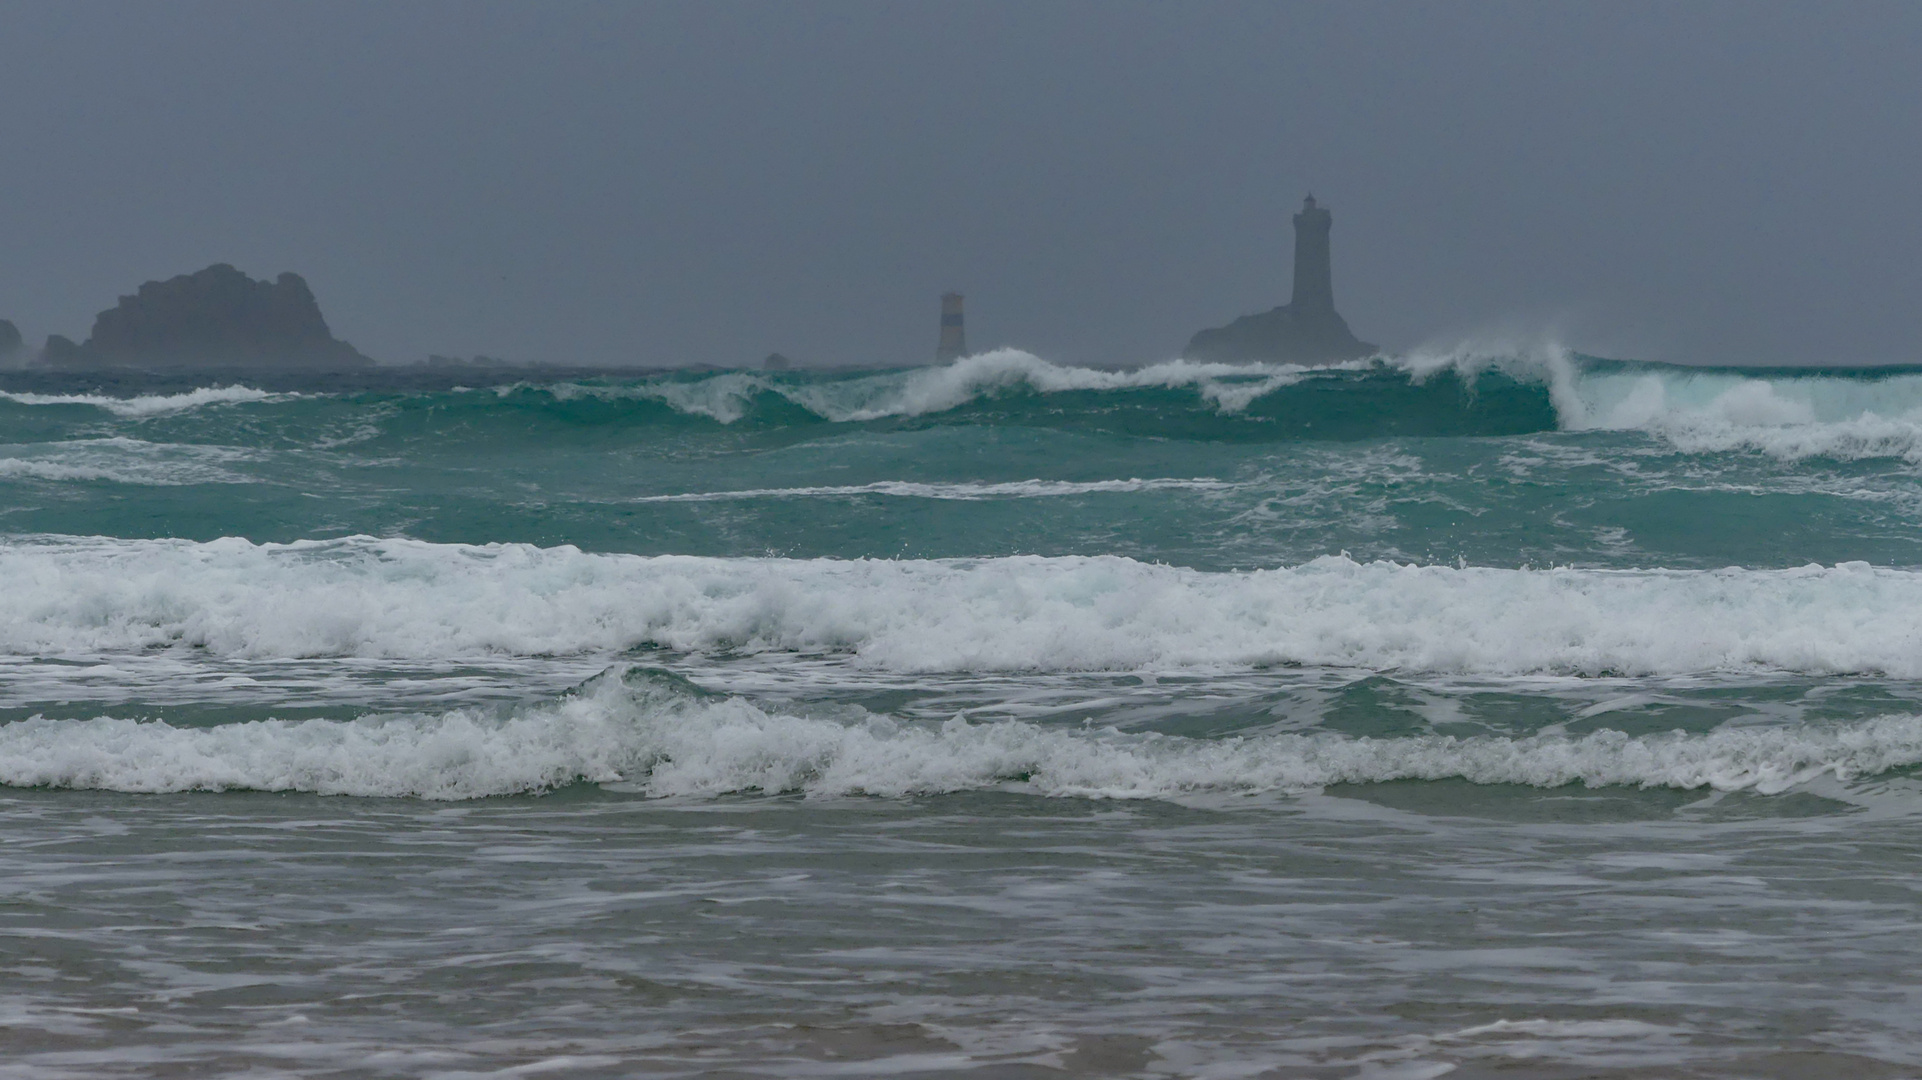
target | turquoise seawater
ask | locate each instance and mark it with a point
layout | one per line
(1518, 714)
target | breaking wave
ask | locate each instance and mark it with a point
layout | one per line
(149, 404)
(649, 732)
(1176, 398)
(729, 397)
(1847, 415)
(365, 597)
(1459, 391)
(1788, 413)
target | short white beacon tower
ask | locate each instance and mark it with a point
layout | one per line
(954, 339)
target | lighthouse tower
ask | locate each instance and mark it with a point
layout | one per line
(1314, 278)
(1306, 329)
(954, 340)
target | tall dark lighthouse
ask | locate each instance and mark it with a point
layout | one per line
(1314, 277)
(1306, 329)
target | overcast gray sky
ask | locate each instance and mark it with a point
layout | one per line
(706, 182)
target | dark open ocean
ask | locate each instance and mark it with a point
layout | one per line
(1522, 716)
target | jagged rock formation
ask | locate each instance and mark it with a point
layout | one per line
(776, 362)
(62, 350)
(1306, 330)
(218, 317)
(10, 343)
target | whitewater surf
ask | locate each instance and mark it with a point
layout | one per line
(959, 717)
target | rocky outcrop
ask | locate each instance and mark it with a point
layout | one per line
(62, 350)
(1306, 330)
(218, 317)
(1282, 335)
(10, 342)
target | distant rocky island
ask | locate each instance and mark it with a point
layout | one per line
(214, 318)
(1306, 330)
(219, 318)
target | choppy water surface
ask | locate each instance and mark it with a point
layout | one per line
(1524, 715)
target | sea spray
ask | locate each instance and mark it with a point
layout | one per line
(1476, 388)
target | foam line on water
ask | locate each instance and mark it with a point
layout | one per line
(121, 460)
(370, 597)
(967, 492)
(637, 731)
(32, 469)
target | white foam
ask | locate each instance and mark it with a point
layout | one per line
(938, 389)
(718, 397)
(1545, 362)
(967, 492)
(643, 734)
(723, 397)
(1230, 388)
(1790, 415)
(409, 599)
(455, 755)
(30, 469)
(121, 460)
(150, 404)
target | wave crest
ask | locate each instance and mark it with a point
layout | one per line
(409, 599)
(146, 405)
(1791, 414)
(729, 397)
(1788, 414)
(649, 732)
